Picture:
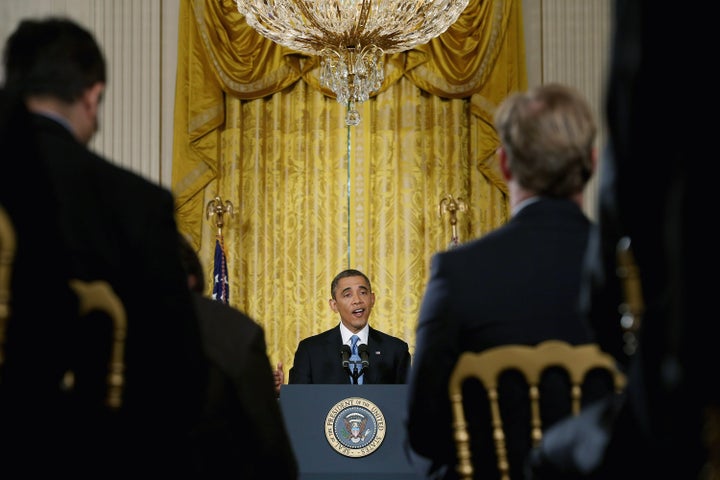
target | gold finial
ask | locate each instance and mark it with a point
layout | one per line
(217, 208)
(452, 206)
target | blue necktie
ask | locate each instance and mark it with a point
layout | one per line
(355, 358)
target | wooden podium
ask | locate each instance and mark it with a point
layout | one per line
(348, 431)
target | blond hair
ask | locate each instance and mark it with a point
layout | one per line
(548, 134)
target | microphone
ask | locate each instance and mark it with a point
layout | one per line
(364, 356)
(345, 354)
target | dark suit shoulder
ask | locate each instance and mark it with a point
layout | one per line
(225, 323)
(63, 149)
(229, 337)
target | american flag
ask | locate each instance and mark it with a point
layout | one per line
(221, 284)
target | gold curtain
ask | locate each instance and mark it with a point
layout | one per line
(311, 196)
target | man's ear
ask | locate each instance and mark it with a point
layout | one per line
(192, 281)
(503, 162)
(93, 96)
(333, 305)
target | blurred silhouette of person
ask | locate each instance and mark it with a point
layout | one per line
(242, 431)
(515, 285)
(116, 226)
(36, 336)
(671, 410)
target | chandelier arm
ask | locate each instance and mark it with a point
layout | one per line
(330, 36)
(362, 21)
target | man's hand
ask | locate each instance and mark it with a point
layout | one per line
(279, 377)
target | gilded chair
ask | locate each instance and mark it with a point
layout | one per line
(95, 295)
(531, 361)
(98, 295)
(7, 256)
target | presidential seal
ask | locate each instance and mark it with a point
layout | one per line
(355, 427)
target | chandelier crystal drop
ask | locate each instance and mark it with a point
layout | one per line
(351, 36)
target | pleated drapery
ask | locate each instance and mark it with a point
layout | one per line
(312, 196)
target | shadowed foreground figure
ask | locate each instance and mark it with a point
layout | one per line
(35, 343)
(654, 195)
(114, 226)
(241, 431)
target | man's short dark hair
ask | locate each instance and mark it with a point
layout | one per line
(53, 56)
(347, 273)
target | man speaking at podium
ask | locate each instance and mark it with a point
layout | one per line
(352, 352)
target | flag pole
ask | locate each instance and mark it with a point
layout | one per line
(216, 208)
(221, 285)
(450, 205)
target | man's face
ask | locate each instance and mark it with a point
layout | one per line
(353, 301)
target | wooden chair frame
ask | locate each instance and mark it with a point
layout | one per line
(98, 295)
(531, 361)
(8, 244)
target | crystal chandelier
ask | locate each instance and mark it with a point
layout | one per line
(351, 36)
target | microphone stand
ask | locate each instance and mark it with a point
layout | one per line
(345, 354)
(355, 374)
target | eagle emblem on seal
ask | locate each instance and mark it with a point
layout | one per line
(355, 426)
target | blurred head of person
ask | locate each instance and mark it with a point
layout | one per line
(58, 68)
(547, 137)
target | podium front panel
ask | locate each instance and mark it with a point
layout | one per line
(317, 421)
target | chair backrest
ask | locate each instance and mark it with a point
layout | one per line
(98, 295)
(7, 255)
(532, 361)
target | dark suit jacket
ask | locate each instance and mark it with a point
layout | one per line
(120, 227)
(518, 284)
(665, 412)
(672, 376)
(242, 431)
(43, 309)
(318, 359)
